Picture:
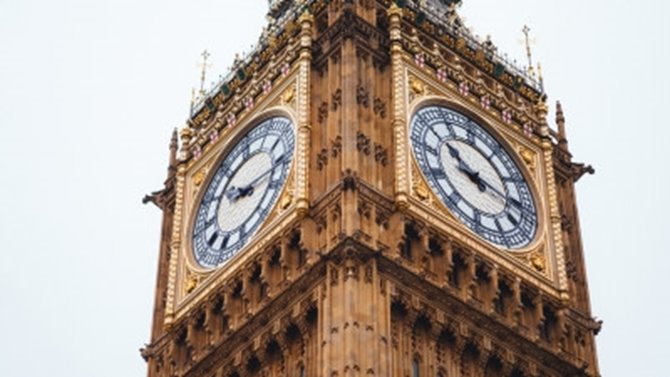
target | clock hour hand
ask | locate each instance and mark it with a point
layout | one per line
(472, 175)
(234, 193)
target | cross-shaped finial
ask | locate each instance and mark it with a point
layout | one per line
(526, 32)
(205, 55)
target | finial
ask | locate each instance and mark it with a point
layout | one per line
(541, 106)
(174, 146)
(528, 41)
(539, 77)
(306, 16)
(560, 122)
(203, 73)
(192, 100)
(560, 117)
(489, 47)
(394, 10)
(174, 142)
(237, 62)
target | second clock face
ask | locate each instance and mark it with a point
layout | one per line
(474, 176)
(243, 191)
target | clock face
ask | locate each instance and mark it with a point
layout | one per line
(474, 176)
(242, 191)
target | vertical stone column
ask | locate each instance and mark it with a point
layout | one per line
(175, 247)
(399, 110)
(552, 200)
(304, 128)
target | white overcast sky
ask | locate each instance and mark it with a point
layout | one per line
(90, 91)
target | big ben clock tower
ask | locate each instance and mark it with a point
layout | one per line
(371, 192)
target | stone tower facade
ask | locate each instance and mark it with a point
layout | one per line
(360, 266)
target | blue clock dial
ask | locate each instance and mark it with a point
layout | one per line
(474, 176)
(242, 191)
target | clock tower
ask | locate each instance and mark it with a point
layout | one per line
(371, 192)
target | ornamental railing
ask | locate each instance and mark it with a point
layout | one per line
(275, 28)
(460, 31)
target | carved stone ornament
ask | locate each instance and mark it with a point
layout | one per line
(336, 146)
(381, 154)
(418, 88)
(421, 190)
(362, 96)
(419, 187)
(337, 99)
(379, 108)
(528, 158)
(323, 112)
(362, 143)
(289, 95)
(199, 177)
(286, 198)
(538, 261)
(322, 159)
(191, 282)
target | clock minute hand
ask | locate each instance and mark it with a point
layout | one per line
(454, 152)
(495, 190)
(463, 166)
(234, 193)
(249, 188)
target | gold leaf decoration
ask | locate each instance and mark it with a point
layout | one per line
(191, 283)
(418, 88)
(528, 157)
(538, 261)
(421, 191)
(286, 200)
(419, 186)
(199, 177)
(289, 95)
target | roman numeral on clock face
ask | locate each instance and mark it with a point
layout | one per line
(438, 173)
(432, 150)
